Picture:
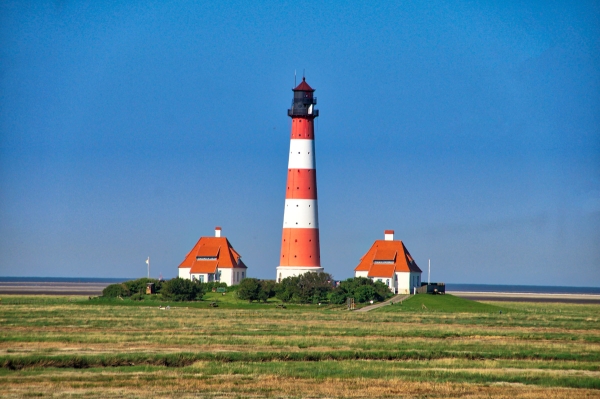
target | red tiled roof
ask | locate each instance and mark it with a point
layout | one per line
(303, 86)
(204, 266)
(382, 270)
(385, 254)
(218, 247)
(208, 251)
(380, 250)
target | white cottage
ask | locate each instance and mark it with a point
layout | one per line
(390, 262)
(213, 259)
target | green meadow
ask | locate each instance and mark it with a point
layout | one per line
(427, 346)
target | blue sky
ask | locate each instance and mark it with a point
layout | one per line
(472, 129)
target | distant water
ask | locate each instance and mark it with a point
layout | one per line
(531, 289)
(62, 280)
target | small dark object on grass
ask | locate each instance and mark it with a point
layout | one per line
(213, 305)
(500, 312)
(282, 306)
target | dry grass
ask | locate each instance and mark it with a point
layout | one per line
(516, 368)
(171, 383)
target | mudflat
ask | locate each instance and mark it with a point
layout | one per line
(528, 297)
(52, 288)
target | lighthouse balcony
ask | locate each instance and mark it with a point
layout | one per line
(303, 112)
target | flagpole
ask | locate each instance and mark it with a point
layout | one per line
(429, 273)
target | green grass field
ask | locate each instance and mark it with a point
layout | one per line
(428, 346)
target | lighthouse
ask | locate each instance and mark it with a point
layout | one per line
(300, 251)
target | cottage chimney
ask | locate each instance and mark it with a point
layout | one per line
(389, 235)
(217, 231)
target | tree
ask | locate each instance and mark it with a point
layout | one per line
(361, 289)
(249, 289)
(306, 288)
(179, 289)
(115, 290)
(287, 289)
(364, 293)
(267, 290)
(139, 286)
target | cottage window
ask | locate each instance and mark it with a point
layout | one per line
(206, 258)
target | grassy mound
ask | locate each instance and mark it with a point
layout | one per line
(442, 303)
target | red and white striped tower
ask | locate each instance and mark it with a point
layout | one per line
(300, 242)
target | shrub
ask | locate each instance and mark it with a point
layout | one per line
(249, 289)
(267, 290)
(115, 290)
(179, 289)
(214, 284)
(306, 288)
(287, 289)
(364, 293)
(138, 297)
(139, 286)
(361, 289)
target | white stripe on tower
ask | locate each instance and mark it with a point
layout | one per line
(300, 214)
(302, 154)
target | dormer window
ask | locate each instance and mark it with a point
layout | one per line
(206, 258)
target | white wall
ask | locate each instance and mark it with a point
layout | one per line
(228, 276)
(233, 276)
(184, 272)
(407, 281)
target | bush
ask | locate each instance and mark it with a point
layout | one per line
(179, 289)
(139, 286)
(115, 290)
(361, 289)
(249, 290)
(306, 288)
(214, 284)
(267, 290)
(138, 297)
(365, 293)
(287, 289)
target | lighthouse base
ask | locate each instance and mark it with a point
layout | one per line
(292, 271)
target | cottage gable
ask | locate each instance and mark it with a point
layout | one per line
(211, 259)
(389, 261)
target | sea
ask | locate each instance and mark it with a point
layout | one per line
(521, 289)
(458, 287)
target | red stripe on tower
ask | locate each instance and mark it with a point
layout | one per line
(300, 251)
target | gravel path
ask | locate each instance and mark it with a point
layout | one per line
(395, 299)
